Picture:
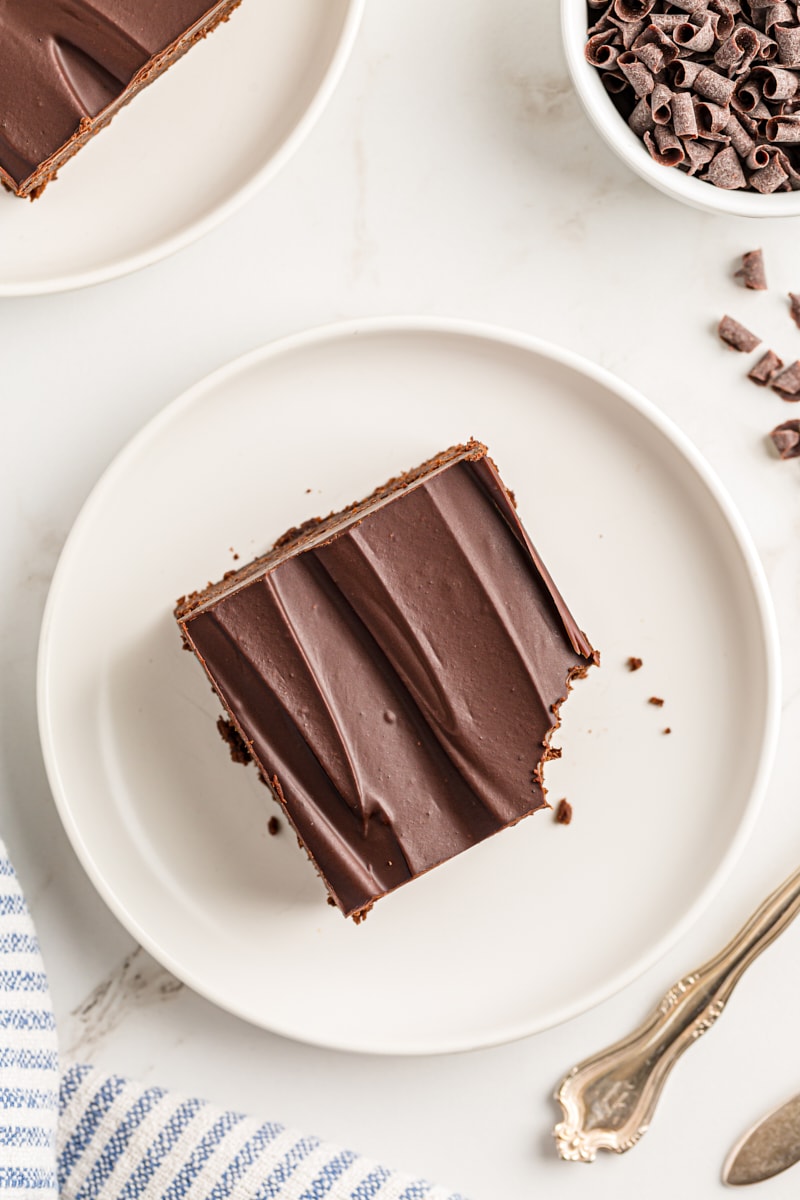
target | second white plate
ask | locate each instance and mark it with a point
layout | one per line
(187, 152)
(539, 922)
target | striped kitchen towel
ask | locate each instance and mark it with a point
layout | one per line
(107, 1138)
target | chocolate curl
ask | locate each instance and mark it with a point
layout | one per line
(783, 158)
(746, 96)
(641, 119)
(711, 119)
(736, 54)
(725, 171)
(722, 24)
(783, 129)
(787, 382)
(770, 178)
(767, 366)
(778, 14)
(653, 36)
(752, 272)
(683, 73)
(749, 40)
(714, 87)
(633, 10)
(629, 31)
(692, 39)
(697, 154)
(636, 73)
(786, 439)
(767, 47)
(661, 104)
(684, 120)
(788, 39)
(735, 335)
(775, 83)
(666, 149)
(794, 308)
(599, 52)
(614, 83)
(690, 6)
(741, 140)
(652, 56)
(760, 157)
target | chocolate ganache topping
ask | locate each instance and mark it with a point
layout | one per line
(66, 66)
(396, 671)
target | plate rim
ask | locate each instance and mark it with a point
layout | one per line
(471, 330)
(165, 247)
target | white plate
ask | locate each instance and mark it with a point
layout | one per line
(539, 922)
(186, 153)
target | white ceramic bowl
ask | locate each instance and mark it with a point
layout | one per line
(608, 122)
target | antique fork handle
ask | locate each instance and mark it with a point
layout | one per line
(608, 1100)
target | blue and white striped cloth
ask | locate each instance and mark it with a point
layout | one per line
(95, 1136)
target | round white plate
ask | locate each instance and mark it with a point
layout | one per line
(187, 152)
(539, 922)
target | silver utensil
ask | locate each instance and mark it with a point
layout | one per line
(772, 1145)
(608, 1100)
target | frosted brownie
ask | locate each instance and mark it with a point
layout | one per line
(67, 66)
(396, 671)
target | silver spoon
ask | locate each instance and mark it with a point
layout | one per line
(608, 1100)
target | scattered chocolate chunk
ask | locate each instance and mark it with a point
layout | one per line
(736, 336)
(657, 701)
(766, 368)
(634, 663)
(751, 272)
(667, 730)
(794, 307)
(234, 741)
(308, 491)
(273, 826)
(786, 439)
(563, 812)
(787, 382)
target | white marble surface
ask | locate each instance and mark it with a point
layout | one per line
(454, 173)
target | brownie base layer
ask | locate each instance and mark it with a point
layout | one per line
(396, 671)
(68, 66)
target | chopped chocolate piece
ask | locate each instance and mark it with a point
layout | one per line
(786, 439)
(233, 739)
(794, 307)
(68, 66)
(787, 382)
(751, 272)
(273, 826)
(397, 671)
(657, 701)
(765, 369)
(634, 663)
(736, 336)
(563, 812)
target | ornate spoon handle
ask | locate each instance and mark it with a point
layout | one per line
(608, 1100)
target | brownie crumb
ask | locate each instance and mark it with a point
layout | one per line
(552, 752)
(234, 741)
(308, 493)
(274, 826)
(667, 730)
(563, 812)
(634, 663)
(657, 701)
(331, 901)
